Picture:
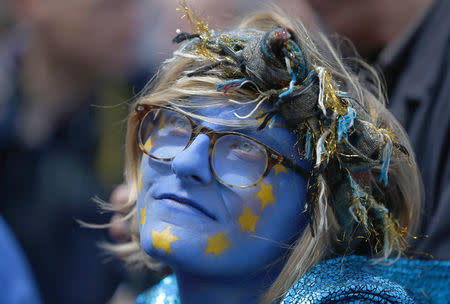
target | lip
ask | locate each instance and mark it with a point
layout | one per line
(187, 202)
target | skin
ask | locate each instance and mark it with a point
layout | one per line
(219, 257)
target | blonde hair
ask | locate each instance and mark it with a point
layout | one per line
(402, 196)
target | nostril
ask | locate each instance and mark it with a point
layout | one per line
(194, 177)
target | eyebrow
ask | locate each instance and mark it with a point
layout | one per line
(248, 130)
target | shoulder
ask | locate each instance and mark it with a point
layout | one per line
(356, 279)
(165, 292)
(17, 284)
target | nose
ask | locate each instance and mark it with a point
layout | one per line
(192, 164)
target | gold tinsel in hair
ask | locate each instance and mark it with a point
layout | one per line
(200, 28)
(323, 135)
(393, 237)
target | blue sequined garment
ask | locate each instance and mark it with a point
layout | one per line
(353, 279)
(166, 292)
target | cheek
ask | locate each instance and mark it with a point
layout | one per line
(149, 171)
(273, 208)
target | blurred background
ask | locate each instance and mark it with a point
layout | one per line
(68, 72)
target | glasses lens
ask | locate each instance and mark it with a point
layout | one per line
(238, 160)
(164, 133)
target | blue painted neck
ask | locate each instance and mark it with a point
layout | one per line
(246, 290)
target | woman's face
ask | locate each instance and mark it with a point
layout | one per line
(192, 222)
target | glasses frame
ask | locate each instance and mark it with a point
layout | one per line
(273, 157)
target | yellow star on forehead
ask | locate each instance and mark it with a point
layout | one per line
(143, 212)
(140, 183)
(162, 119)
(261, 119)
(265, 195)
(149, 144)
(162, 240)
(248, 220)
(217, 244)
(279, 168)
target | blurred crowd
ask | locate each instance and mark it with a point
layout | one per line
(68, 71)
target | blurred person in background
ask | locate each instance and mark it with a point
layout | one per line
(410, 41)
(58, 61)
(17, 285)
(5, 17)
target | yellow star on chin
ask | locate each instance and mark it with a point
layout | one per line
(143, 211)
(217, 244)
(279, 168)
(162, 240)
(265, 195)
(248, 220)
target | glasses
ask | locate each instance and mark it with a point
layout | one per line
(236, 160)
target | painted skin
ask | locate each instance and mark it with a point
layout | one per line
(240, 230)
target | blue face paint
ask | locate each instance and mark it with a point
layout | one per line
(193, 223)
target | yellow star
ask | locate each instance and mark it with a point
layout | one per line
(161, 121)
(217, 244)
(261, 119)
(143, 211)
(149, 144)
(140, 183)
(279, 168)
(163, 239)
(248, 220)
(265, 195)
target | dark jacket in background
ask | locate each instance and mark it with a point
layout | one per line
(46, 187)
(418, 79)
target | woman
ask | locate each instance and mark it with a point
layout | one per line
(255, 158)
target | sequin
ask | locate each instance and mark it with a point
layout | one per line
(166, 292)
(355, 279)
(352, 279)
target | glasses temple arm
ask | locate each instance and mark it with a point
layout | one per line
(297, 168)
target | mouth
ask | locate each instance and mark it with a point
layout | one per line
(187, 202)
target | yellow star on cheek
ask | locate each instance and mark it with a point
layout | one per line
(279, 168)
(140, 183)
(217, 244)
(265, 195)
(143, 211)
(162, 240)
(248, 220)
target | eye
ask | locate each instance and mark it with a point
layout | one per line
(245, 146)
(178, 125)
(247, 150)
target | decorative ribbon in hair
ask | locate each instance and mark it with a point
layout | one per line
(337, 127)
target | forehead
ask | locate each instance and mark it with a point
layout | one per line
(218, 113)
